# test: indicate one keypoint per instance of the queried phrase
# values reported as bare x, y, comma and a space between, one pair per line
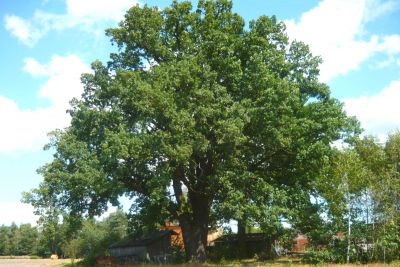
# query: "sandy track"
32, 263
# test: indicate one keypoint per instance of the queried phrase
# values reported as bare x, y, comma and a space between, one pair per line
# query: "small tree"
72, 249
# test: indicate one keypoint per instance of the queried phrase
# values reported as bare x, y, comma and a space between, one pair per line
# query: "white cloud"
378, 114
22, 29
376, 8
26, 129
34, 68
64, 78
390, 44
85, 14
17, 212
335, 30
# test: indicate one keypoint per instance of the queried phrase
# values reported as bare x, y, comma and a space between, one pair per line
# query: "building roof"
143, 241
253, 237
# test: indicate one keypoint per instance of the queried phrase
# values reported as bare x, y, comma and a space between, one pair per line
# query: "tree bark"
193, 222
269, 248
195, 240
195, 228
241, 234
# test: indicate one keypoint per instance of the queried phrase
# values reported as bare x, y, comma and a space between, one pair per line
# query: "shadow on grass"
282, 262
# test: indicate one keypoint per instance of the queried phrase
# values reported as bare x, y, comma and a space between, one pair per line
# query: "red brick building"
300, 243
178, 239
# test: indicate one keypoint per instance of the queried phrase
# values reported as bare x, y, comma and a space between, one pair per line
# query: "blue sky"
46, 44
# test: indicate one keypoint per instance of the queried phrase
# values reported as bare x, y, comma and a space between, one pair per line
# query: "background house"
300, 243
178, 239
155, 247
228, 245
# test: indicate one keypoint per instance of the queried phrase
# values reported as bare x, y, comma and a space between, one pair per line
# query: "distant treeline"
21, 240
92, 239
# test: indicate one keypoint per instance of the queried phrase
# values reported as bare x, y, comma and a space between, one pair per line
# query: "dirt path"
32, 263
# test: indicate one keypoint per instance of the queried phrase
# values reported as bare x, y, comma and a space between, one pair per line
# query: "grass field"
33, 262
310, 265
283, 262
256, 264
287, 264
286, 261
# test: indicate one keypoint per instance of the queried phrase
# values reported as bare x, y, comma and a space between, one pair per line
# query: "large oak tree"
198, 117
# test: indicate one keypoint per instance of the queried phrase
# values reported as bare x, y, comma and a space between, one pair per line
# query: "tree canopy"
198, 118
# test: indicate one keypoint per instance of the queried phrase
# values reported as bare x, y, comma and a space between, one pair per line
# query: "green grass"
249, 263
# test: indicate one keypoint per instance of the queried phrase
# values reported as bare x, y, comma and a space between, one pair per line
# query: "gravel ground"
32, 263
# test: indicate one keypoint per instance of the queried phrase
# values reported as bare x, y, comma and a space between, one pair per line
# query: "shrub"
320, 256
178, 255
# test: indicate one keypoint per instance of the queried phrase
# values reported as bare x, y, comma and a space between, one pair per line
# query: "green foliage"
27, 240
319, 256
72, 249
220, 254
3, 240
361, 186
88, 242
178, 255
18, 240
95, 238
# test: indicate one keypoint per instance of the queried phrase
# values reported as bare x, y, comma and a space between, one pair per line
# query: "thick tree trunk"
193, 221
241, 234
195, 240
269, 249
195, 228
193, 210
